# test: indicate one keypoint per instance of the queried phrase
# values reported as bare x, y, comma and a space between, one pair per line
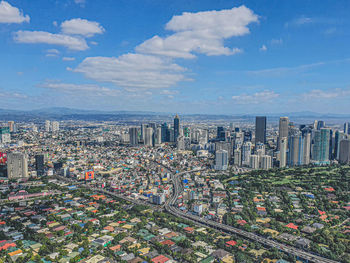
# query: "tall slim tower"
149, 136
260, 129
176, 127
283, 152
133, 134
47, 126
283, 129
320, 150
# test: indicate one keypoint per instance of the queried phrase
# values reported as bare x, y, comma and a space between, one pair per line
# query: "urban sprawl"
97, 191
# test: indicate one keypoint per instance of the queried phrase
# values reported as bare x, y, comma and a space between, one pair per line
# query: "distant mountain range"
61, 113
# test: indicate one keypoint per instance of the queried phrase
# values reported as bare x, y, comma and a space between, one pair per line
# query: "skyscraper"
296, 150
17, 165
176, 127
165, 132
339, 136
283, 152
260, 129
149, 136
220, 133
321, 124
283, 129
221, 160
306, 148
346, 128
133, 135
246, 152
344, 152
39, 164
320, 150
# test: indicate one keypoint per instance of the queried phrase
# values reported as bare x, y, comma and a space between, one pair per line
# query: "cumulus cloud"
202, 32
80, 2
263, 48
256, 98
11, 14
78, 26
132, 70
52, 52
41, 37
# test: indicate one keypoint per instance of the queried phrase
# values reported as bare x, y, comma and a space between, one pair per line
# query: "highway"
170, 207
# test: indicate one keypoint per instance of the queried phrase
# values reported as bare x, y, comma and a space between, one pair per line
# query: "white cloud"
327, 94
11, 14
41, 37
263, 48
169, 92
82, 27
82, 89
68, 58
256, 98
80, 2
133, 70
202, 32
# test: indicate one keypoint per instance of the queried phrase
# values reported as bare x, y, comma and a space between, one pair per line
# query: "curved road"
169, 206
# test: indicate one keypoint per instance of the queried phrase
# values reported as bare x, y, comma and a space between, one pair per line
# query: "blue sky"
184, 56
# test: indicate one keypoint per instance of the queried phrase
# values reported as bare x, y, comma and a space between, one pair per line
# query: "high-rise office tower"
265, 162
39, 164
346, 128
220, 133
296, 150
17, 165
55, 126
339, 136
158, 136
237, 157
260, 129
165, 132
47, 125
283, 152
176, 127
143, 132
133, 136
246, 152
254, 161
221, 160
283, 129
321, 124
320, 149
344, 151
11, 125
306, 148
224, 146
149, 136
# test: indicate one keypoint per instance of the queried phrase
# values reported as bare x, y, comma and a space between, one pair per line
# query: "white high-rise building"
283, 152
148, 136
254, 161
237, 159
265, 162
307, 148
246, 152
55, 126
17, 165
47, 125
221, 160
159, 135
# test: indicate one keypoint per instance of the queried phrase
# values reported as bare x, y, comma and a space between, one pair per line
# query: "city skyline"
167, 57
